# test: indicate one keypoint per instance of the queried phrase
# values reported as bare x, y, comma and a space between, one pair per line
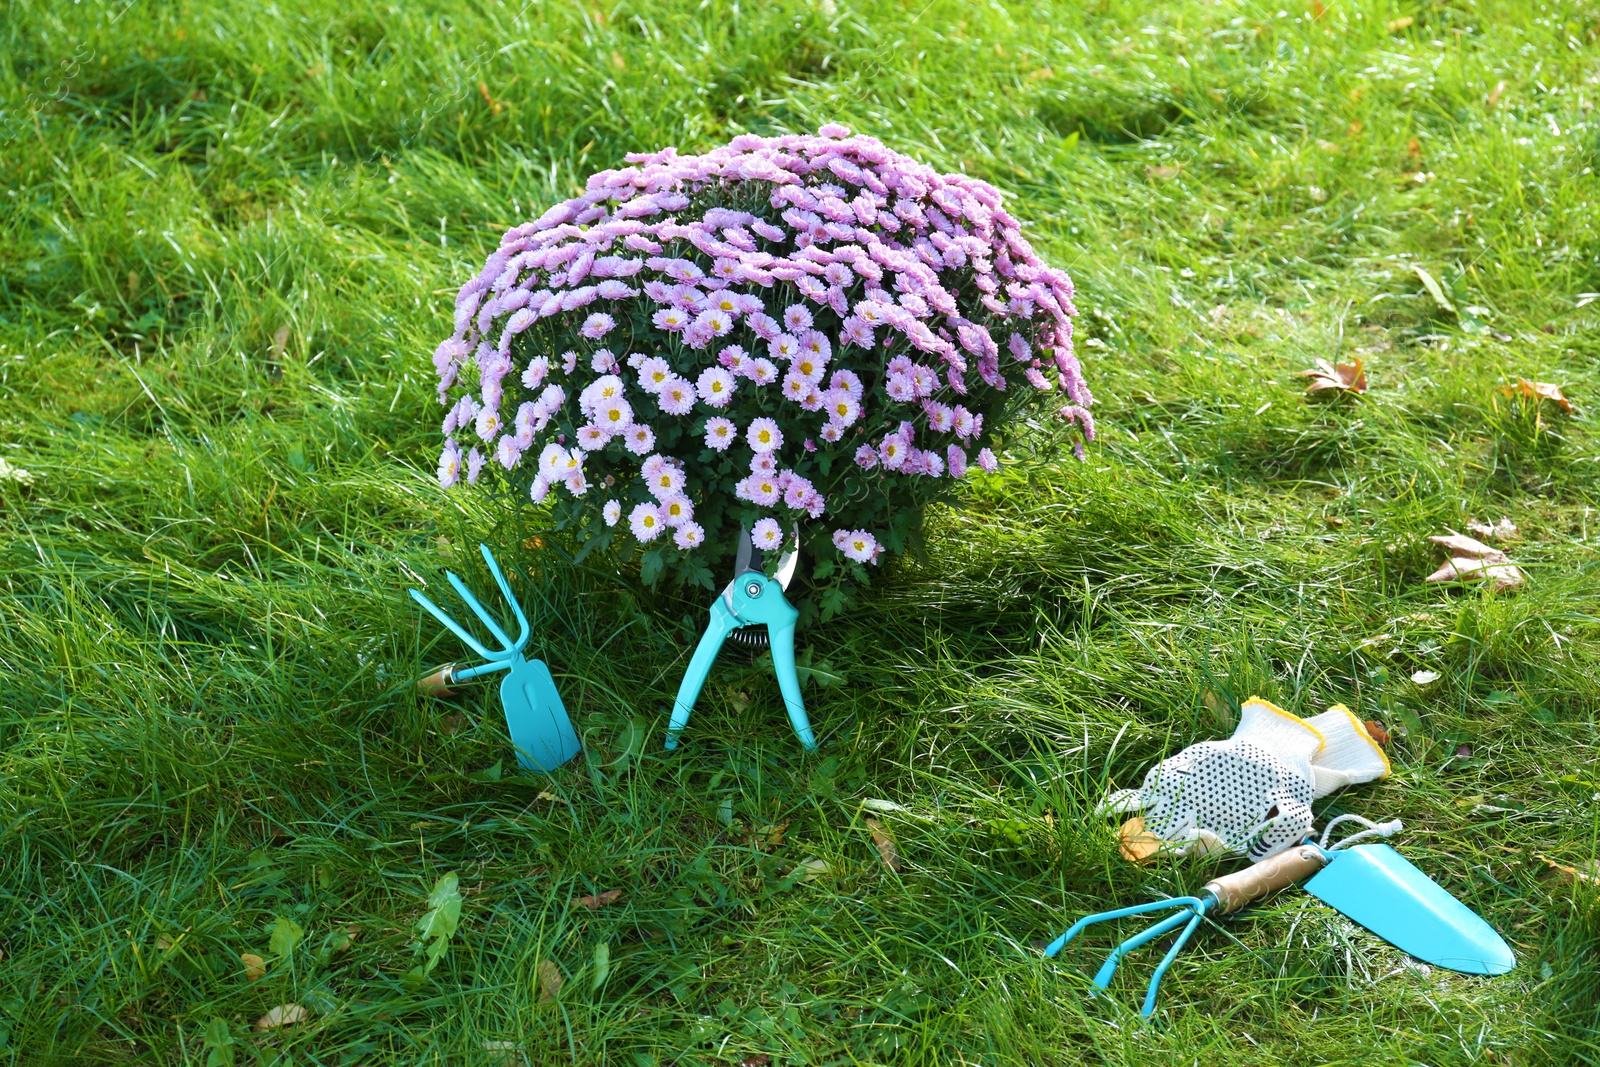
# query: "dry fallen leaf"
1343, 378
772, 837
760, 1059
282, 1015
1504, 530
1538, 390
598, 900
1589, 873
1161, 172
1472, 560
1495, 94
549, 981
885, 843
812, 869
1135, 843
1377, 731
1401, 23
255, 968
280, 341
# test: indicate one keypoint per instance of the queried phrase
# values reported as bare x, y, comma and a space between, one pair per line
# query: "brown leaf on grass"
255, 968
772, 836
282, 1015
1588, 874
495, 107
760, 1059
1335, 379
1378, 732
1161, 172
1495, 94
1472, 560
885, 843
280, 342
549, 981
1396, 25
1504, 530
1539, 391
1136, 843
598, 900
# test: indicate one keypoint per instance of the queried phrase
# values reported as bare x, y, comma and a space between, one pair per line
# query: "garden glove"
1250, 794
1348, 756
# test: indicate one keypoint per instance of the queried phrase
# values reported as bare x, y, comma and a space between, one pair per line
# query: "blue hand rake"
1372, 884
540, 729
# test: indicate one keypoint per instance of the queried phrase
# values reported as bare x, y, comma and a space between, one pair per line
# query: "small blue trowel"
1371, 884
540, 729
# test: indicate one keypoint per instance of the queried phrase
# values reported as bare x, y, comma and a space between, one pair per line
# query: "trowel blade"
1380, 889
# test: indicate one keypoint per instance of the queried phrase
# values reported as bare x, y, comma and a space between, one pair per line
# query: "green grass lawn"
229, 237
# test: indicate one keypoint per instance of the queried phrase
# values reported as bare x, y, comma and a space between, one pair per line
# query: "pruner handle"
694, 679
780, 636
1234, 891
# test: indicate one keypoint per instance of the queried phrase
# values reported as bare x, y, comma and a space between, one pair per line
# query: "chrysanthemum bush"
807, 333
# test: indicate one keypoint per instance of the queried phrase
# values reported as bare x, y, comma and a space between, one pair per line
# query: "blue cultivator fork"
540, 730
750, 600
1372, 884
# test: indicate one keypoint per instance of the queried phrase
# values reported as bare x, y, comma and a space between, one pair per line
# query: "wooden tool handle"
1234, 891
438, 684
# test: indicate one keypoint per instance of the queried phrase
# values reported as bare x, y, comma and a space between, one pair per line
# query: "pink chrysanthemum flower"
987, 461
449, 464
860, 546
715, 386
539, 489
763, 371
639, 439
597, 325
784, 347
766, 534
593, 437
720, 433
611, 512
676, 510
654, 373
797, 386
893, 452
764, 436
533, 377
645, 522
689, 535
676, 396
796, 318
670, 319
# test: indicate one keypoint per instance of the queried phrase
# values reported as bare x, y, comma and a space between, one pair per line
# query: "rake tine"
505, 590
1102, 978
483, 616
450, 624
1120, 913
1166, 961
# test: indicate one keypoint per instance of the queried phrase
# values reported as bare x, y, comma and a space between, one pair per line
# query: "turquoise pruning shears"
540, 729
750, 600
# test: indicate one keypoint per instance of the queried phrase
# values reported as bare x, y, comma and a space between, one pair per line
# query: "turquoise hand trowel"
540, 729
1371, 884
1382, 890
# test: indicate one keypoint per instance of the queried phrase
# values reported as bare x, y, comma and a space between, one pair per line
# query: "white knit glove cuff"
1348, 756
